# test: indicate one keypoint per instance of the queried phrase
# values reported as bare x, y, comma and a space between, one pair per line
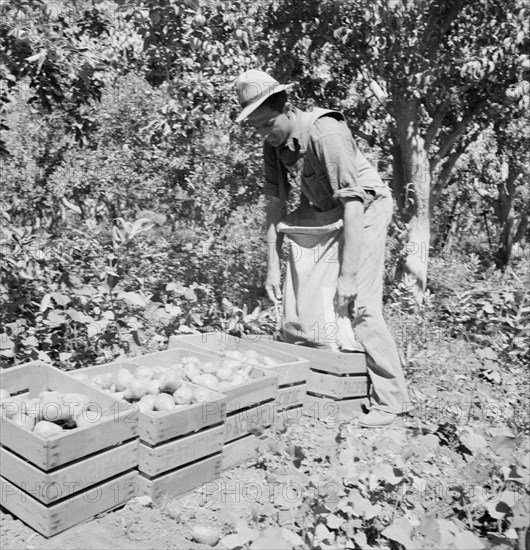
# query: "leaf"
71, 206
322, 533
60, 299
333, 521
7, 346
360, 539
134, 298
503, 439
45, 302
235, 540
466, 540
56, 317
473, 441
79, 316
140, 225
271, 539
430, 528
96, 329
6, 342
521, 516
177, 287
291, 537
487, 353
190, 295
497, 510
400, 531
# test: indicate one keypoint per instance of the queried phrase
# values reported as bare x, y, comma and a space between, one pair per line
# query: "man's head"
264, 102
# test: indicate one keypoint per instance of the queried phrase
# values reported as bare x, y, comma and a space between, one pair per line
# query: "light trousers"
310, 315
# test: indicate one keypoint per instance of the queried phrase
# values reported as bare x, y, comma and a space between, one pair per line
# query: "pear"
183, 395
46, 429
164, 402
122, 379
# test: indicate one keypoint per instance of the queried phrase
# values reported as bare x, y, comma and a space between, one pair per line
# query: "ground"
454, 473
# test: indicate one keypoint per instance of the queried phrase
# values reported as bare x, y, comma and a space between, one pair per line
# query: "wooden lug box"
337, 383
53, 483
181, 449
292, 371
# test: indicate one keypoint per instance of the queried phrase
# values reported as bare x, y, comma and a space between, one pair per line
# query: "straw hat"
253, 88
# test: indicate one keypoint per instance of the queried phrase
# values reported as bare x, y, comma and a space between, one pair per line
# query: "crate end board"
48, 487
242, 422
339, 387
183, 480
53, 519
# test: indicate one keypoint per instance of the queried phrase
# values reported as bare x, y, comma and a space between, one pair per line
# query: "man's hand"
346, 292
273, 283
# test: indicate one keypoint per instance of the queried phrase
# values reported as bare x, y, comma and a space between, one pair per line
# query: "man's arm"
274, 246
351, 256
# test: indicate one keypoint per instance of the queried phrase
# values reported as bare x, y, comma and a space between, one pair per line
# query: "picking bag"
310, 315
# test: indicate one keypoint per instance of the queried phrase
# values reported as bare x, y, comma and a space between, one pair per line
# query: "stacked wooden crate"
257, 405
337, 382
59, 481
178, 450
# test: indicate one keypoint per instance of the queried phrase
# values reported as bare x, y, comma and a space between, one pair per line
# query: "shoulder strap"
282, 184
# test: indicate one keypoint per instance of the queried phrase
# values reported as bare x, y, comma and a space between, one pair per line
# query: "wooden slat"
51, 486
52, 519
241, 422
19, 378
153, 461
291, 369
182, 480
156, 428
338, 363
339, 387
291, 395
262, 387
239, 451
324, 408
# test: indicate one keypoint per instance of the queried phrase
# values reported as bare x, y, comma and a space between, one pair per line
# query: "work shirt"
322, 155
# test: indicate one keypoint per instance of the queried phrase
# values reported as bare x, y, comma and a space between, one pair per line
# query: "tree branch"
440, 19
447, 143
440, 181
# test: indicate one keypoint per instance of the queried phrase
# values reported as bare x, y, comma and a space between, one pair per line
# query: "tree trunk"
412, 188
506, 213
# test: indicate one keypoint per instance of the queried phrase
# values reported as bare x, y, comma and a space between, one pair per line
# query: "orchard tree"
503, 182
442, 70
60, 55
196, 49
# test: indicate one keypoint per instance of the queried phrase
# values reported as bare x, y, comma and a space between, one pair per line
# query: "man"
336, 236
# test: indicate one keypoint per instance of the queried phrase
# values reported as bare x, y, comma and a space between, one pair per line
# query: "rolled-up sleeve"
272, 171
334, 147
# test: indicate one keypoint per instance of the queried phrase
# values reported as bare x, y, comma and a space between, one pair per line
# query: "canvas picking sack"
310, 315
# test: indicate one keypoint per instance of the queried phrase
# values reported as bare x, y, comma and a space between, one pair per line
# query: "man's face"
274, 126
